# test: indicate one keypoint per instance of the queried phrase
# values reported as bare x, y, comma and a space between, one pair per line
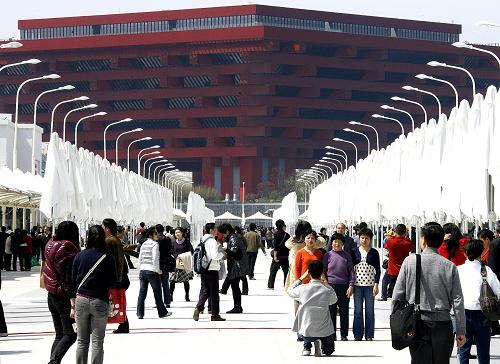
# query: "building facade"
245, 93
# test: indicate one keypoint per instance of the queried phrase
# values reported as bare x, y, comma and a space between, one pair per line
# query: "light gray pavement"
260, 335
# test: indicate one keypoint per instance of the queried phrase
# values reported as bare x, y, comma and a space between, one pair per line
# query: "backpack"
200, 259
490, 304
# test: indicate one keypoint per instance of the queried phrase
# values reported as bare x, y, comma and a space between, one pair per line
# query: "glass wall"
234, 22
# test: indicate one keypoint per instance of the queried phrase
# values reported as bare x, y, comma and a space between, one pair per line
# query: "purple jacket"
339, 268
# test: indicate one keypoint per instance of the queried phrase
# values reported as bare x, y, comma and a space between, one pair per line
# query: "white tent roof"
19, 189
227, 216
259, 216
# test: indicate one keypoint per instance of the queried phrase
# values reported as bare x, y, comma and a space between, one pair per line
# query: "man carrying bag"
440, 291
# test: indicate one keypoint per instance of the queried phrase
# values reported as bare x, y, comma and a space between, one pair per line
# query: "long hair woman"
94, 273
59, 255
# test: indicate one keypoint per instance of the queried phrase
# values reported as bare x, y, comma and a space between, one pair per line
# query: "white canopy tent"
420, 176
259, 216
227, 216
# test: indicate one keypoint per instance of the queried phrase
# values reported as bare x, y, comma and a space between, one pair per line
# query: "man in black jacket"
494, 264
3, 239
165, 245
349, 243
280, 254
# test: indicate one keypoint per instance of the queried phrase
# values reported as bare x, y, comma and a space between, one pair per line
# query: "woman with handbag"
94, 273
477, 326
181, 245
59, 255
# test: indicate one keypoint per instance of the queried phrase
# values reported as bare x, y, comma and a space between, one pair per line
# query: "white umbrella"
259, 216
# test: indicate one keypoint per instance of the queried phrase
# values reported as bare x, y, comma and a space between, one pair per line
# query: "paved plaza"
262, 334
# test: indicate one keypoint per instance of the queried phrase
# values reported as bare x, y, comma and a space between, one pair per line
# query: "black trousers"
7, 261
15, 257
388, 283
275, 267
3, 324
327, 343
437, 344
235, 287
252, 258
209, 290
60, 308
186, 289
227, 283
342, 307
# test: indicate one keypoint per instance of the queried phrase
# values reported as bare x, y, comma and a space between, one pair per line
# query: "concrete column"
14, 218
4, 215
32, 218
24, 219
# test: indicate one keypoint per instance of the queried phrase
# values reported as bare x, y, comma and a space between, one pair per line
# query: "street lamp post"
321, 177
29, 61
52, 76
368, 126
161, 168
387, 107
101, 113
118, 138
328, 167
349, 142
378, 116
331, 162
421, 76
106, 129
411, 88
139, 156
441, 64
128, 149
397, 98
90, 106
323, 172
336, 159
469, 46
149, 160
81, 98
338, 149
187, 183
363, 134
152, 164
63, 88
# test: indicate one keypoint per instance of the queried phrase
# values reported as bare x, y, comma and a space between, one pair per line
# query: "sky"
464, 12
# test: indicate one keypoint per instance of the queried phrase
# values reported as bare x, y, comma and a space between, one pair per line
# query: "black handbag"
405, 318
490, 304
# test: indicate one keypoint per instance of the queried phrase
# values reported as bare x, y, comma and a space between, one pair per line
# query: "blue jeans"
146, 278
478, 331
364, 325
91, 320
166, 288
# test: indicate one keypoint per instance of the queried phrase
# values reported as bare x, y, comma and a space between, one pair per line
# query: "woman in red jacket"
59, 255
453, 245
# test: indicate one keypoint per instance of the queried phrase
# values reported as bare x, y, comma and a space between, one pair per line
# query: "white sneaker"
306, 352
317, 348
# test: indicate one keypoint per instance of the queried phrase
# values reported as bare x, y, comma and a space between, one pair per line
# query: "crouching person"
313, 319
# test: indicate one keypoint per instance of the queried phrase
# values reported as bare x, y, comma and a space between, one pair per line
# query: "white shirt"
471, 281
215, 253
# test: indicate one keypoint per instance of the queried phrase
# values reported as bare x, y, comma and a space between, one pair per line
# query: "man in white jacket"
210, 280
313, 321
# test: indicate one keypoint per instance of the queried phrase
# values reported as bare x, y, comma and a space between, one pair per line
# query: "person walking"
440, 291
237, 263
3, 239
280, 254
366, 262
8, 253
149, 274
494, 264
486, 236
16, 246
477, 326
165, 247
182, 250
94, 273
210, 280
339, 271
453, 244
26, 250
254, 243
398, 247
59, 255
244, 281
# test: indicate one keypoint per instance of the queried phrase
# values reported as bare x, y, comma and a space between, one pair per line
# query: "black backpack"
200, 259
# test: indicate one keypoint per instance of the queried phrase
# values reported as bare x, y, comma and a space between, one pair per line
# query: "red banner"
242, 194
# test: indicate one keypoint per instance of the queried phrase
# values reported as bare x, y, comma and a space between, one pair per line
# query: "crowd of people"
320, 273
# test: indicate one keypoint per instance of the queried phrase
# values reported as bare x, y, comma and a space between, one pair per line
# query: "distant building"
243, 93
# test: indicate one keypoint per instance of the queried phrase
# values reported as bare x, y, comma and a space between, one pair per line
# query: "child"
313, 320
